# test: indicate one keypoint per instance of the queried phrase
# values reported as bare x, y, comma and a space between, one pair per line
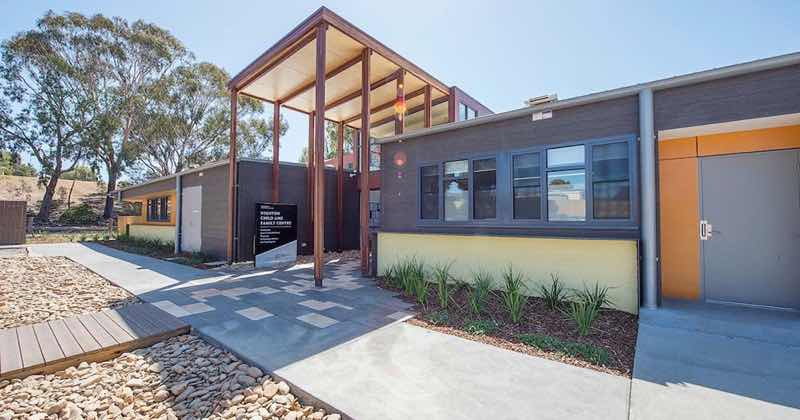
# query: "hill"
27, 189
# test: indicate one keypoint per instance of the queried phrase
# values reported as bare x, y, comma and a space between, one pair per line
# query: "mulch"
614, 330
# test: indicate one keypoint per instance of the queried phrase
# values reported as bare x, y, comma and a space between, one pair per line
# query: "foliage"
588, 352
480, 326
11, 164
514, 299
82, 214
331, 140
481, 287
554, 294
146, 246
46, 107
81, 173
596, 297
584, 314
444, 287
440, 317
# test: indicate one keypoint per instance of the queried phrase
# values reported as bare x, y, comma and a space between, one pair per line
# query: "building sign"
276, 234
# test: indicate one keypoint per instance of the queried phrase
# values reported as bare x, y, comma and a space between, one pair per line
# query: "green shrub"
554, 294
81, 214
420, 289
444, 288
596, 297
584, 314
440, 317
513, 297
410, 272
588, 352
481, 287
480, 326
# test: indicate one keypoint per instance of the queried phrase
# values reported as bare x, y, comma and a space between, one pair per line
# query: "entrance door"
752, 202
191, 218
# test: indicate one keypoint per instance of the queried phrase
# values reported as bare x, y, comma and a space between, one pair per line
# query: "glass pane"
429, 196
374, 157
611, 200
610, 162
566, 156
527, 202
462, 112
456, 169
473, 114
485, 184
566, 195
456, 200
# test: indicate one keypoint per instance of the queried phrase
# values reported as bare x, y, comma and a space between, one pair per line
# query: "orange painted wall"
749, 141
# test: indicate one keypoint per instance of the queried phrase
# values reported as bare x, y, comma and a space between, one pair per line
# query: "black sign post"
276, 234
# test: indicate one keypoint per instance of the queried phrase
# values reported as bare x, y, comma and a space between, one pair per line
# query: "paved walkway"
697, 361
343, 344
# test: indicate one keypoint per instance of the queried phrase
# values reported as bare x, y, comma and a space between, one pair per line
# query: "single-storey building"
687, 187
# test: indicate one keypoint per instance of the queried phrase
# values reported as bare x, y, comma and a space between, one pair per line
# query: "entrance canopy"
286, 74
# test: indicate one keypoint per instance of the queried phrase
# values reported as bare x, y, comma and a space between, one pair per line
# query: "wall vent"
544, 99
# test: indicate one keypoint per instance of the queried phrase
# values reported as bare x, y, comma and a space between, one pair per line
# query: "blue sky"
501, 52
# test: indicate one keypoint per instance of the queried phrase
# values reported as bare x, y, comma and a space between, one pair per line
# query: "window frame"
439, 196
505, 176
161, 202
442, 192
497, 191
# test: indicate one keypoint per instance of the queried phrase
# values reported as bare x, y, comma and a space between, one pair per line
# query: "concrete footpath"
345, 345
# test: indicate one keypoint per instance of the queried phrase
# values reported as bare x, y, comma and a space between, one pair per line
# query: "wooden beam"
232, 180
319, 155
356, 93
276, 152
428, 106
310, 176
451, 105
364, 193
399, 118
308, 86
280, 59
414, 110
340, 186
384, 105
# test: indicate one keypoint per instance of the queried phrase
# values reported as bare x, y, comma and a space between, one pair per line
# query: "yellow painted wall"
164, 233
141, 219
578, 262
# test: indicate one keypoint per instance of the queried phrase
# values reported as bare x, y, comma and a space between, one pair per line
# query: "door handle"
705, 230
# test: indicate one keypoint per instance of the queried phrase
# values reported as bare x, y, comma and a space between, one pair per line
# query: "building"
685, 188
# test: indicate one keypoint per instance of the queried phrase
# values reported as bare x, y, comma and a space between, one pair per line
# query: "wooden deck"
50, 346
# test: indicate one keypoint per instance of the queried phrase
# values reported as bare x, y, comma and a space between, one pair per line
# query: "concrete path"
699, 361
343, 345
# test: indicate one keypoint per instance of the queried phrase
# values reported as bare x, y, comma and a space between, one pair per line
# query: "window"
484, 180
527, 186
429, 192
374, 157
456, 191
158, 209
611, 181
566, 156
465, 112
566, 195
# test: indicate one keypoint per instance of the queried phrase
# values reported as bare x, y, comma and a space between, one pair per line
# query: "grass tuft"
481, 287
444, 288
554, 294
514, 299
588, 352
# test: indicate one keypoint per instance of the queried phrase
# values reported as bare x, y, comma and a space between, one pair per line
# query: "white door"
191, 218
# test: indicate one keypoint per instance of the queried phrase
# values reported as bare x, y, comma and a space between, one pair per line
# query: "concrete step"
720, 352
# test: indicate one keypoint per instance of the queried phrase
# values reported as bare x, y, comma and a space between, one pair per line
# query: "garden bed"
609, 345
36, 289
183, 377
158, 249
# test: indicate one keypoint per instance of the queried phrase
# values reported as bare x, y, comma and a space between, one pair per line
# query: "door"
752, 253
191, 218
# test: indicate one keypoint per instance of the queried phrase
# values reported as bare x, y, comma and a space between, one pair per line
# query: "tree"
81, 173
44, 107
11, 164
331, 140
186, 122
132, 56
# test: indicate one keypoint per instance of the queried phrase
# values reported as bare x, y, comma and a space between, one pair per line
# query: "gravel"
183, 377
36, 289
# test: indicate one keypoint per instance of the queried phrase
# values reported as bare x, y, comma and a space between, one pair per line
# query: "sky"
500, 52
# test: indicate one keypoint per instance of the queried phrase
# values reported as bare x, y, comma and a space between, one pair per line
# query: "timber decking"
50, 346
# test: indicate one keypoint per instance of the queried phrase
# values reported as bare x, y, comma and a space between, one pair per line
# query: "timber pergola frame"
333, 71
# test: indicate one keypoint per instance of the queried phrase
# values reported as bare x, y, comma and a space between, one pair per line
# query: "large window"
484, 180
611, 181
527, 186
465, 112
374, 157
429, 192
591, 183
158, 209
456, 191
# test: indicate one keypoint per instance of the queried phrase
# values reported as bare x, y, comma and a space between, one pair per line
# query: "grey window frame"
497, 190
439, 196
505, 175
162, 204
469, 192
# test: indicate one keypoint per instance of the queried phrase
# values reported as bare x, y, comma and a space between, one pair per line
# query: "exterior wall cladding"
761, 94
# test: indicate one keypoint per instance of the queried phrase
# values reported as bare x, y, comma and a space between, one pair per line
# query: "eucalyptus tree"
186, 122
44, 106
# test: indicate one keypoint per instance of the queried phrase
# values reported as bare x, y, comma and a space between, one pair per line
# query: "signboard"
275, 234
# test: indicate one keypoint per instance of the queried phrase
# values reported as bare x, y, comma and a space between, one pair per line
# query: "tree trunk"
69, 196
108, 212
47, 200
